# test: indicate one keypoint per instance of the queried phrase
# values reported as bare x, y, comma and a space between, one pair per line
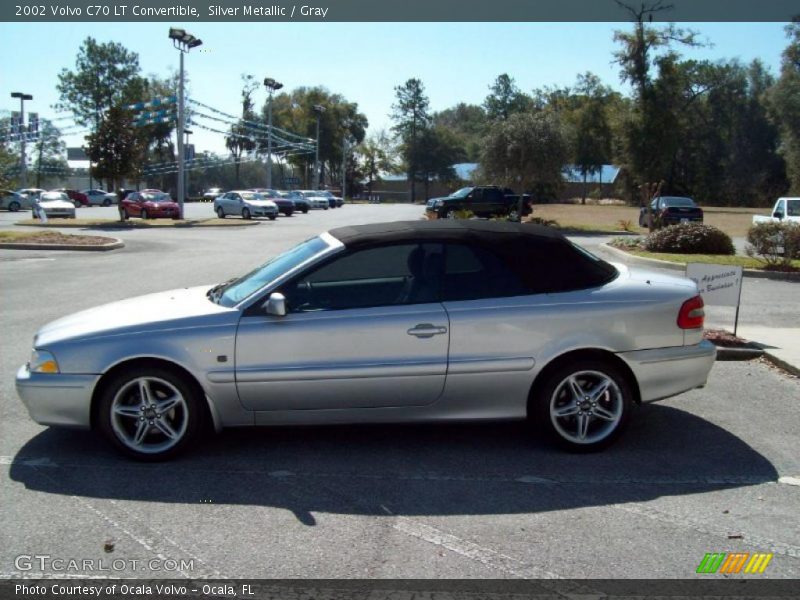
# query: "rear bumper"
665, 372
57, 399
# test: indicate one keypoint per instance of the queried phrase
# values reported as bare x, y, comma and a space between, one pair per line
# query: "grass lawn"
137, 223
717, 259
733, 221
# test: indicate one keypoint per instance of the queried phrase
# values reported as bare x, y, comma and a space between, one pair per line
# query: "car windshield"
678, 202
151, 197
237, 290
462, 193
251, 196
48, 196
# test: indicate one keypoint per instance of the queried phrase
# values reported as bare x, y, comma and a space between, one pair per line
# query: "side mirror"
778, 215
276, 304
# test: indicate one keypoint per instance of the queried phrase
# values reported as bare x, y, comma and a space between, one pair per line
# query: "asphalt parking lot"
708, 471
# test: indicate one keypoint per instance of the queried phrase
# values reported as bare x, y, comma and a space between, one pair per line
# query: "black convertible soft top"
540, 256
488, 233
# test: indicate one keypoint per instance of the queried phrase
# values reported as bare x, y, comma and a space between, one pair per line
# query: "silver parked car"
315, 199
392, 322
54, 205
246, 204
100, 198
14, 201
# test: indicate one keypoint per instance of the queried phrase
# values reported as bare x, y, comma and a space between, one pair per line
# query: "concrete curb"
724, 353
665, 264
117, 243
780, 363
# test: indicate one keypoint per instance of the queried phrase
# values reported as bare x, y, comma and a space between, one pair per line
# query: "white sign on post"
720, 285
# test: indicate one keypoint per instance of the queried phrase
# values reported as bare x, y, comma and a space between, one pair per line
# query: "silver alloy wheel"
586, 407
149, 415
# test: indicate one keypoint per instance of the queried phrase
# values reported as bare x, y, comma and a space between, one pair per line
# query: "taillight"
691, 315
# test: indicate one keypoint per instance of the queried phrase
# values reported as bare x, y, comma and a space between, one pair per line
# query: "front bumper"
57, 398
665, 372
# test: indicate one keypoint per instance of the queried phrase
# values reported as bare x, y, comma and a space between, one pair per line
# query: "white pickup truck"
786, 210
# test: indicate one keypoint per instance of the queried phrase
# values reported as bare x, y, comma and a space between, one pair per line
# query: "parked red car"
149, 204
78, 198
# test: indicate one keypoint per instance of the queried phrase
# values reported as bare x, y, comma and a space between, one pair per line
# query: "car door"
485, 303
364, 330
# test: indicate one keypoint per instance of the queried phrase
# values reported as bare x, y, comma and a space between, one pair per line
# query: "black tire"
14, 206
326, 208
220, 212
273, 217
305, 211
76, 204
144, 214
288, 213
123, 392
246, 214
106, 202
599, 432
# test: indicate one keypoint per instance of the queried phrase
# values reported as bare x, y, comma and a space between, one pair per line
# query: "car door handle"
426, 330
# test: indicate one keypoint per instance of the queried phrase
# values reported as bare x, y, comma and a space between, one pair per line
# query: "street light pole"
187, 133
272, 86
23, 166
344, 167
184, 42
319, 109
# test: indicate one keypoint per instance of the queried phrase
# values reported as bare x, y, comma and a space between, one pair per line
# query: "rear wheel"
144, 213
13, 206
584, 406
246, 213
220, 212
150, 413
106, 202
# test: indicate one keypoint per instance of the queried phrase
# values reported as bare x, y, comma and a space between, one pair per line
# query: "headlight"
43, 361
438, 203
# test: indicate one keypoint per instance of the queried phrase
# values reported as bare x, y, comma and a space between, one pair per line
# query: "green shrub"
775, 243
689, 238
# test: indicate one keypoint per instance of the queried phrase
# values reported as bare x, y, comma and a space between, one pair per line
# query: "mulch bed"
56, 237
725, 339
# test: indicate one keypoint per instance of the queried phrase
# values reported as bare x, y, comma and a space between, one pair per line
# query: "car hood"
142, 313
56, 204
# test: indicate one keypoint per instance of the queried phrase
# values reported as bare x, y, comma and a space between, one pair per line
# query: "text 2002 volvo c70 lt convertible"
392, 322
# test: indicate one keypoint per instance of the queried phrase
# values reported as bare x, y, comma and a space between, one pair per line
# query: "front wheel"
144, 214
220, 212
584, 406
246, 213
106, 202
273, 217
305, 211
149, 413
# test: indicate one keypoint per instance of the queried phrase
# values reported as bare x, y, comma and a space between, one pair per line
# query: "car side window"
472, 272
779, 207
381, 276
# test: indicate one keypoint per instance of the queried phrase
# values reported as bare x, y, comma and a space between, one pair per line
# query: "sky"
457, 62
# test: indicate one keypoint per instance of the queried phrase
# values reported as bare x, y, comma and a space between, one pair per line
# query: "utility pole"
272, 86
183, 42
319, 109
187, 132
23, 166
344, 167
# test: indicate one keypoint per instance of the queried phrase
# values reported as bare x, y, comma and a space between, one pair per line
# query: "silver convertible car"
392, 322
